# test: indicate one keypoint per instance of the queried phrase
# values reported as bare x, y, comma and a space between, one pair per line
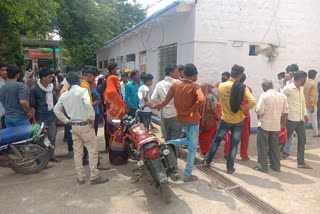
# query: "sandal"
245, 159
191, 178
101, 167
305, 166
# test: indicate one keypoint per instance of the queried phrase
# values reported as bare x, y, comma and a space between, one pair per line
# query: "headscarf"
206, 89
236, 96
114, 103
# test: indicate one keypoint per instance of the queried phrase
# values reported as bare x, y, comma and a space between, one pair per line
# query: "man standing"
310, 94
131, 90
171, 125
123, 83
271, 106
231, 94
188, 97
13, 96
3, 81
76, 101
297, 116
245, 135
42, 103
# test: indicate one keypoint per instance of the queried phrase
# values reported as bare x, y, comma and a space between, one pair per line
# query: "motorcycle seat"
15, 134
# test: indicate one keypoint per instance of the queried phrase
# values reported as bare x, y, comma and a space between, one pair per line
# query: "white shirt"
296, 102
97, 78
77, 104
160, 92
2, 110
144, 89
123, 90
271, 106
64, 81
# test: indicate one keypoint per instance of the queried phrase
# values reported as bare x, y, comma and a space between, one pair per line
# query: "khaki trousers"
85, 136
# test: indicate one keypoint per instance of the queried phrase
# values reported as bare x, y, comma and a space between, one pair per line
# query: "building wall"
169, 28
292, 25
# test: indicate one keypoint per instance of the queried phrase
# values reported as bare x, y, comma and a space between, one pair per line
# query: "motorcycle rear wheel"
165, 192
28, 169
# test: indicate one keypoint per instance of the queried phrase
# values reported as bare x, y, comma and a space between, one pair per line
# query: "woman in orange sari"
208, 122
115, 110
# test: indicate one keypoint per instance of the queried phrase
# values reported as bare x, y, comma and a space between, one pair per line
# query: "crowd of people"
192, 115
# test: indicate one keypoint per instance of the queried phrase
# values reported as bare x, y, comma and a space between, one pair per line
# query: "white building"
264, 36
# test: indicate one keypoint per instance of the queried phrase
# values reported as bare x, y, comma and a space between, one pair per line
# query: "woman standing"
208, 122
115, 110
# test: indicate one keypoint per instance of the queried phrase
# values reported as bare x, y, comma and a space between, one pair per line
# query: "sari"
115, 110
208, 122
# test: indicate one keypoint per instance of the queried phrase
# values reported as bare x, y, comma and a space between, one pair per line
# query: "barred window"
167, 56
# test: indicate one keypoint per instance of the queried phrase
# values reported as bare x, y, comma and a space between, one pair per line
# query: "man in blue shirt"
131, 89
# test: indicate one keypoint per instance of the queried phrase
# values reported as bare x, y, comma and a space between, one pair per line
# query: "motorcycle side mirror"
140, 95
116, 121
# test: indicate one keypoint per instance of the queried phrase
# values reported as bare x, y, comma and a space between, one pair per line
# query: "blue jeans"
13, 122
236, 130
287, 146
192, 141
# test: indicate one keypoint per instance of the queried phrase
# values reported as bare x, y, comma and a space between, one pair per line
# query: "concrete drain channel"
221, 182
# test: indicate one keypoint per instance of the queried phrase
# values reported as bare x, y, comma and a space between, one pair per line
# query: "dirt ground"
56, 190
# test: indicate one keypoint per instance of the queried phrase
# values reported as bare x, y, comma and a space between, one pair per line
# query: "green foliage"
23, 18
85, 25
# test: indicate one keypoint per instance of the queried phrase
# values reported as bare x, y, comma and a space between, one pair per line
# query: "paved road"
56, 191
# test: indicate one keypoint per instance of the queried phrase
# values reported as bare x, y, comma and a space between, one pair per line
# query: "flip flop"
191, 178
305, 166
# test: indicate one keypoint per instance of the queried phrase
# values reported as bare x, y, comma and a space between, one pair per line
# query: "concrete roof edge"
156, 14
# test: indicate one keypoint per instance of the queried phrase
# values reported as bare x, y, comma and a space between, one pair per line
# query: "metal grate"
243, 195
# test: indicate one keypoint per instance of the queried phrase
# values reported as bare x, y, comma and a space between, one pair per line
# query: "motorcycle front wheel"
35, 166
165, 191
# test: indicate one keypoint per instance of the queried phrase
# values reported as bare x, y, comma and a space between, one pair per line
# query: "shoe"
284, 156
260, 170
305, 166
245, 159
231, 171
205, 163
81, 182
99, 180
316, 135
49, 165
54, 159
277, 170
225, 157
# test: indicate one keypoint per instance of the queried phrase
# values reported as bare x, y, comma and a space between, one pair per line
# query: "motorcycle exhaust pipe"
174, 176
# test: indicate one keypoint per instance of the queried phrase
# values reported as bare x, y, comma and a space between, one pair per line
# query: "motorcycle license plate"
46, 142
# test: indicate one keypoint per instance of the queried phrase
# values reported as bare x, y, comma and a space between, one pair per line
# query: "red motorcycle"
156, 160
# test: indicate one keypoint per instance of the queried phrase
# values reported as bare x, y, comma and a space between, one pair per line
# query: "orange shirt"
188, 97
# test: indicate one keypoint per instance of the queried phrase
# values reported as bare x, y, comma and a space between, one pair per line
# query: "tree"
85, 25
23, 18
